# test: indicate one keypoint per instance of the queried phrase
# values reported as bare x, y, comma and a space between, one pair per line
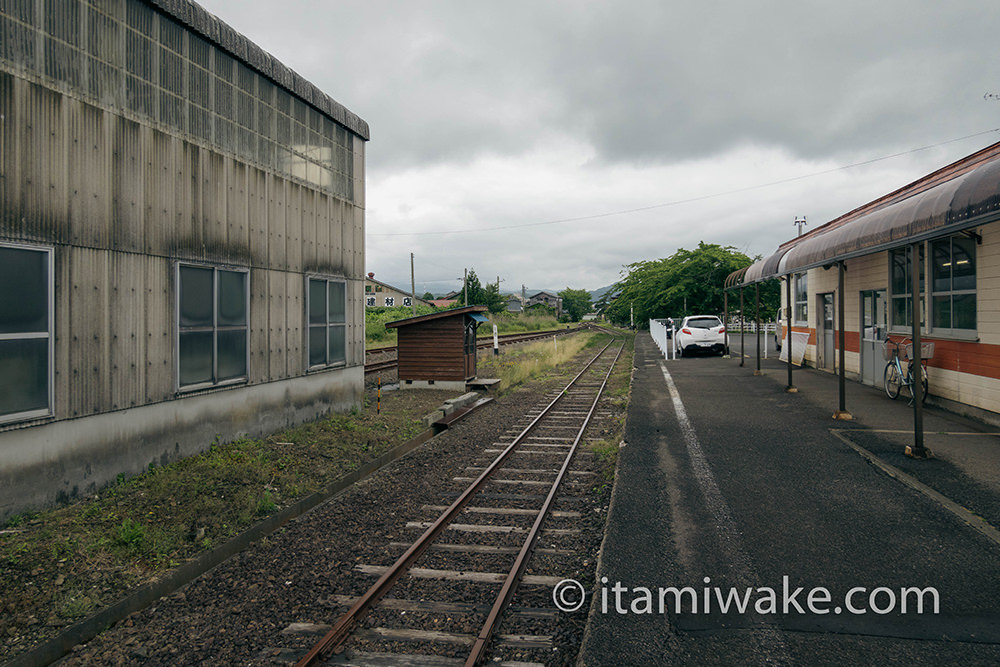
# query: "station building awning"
957, 198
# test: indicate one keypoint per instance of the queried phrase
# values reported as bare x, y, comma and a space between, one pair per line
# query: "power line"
678, 202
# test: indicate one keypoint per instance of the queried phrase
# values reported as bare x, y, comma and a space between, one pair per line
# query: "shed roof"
466, 310
958, 197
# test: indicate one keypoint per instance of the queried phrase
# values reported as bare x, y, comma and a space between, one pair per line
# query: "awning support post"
842, 413
917, 450
788, 330
743, 355
757, 325
725, 321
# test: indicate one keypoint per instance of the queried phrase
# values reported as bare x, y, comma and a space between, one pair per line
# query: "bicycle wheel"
923, 378
891, 380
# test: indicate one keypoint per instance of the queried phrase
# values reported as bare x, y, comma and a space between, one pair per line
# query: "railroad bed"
270, 604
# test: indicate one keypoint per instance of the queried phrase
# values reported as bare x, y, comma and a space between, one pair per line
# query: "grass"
520, 364
61, 564
376, 335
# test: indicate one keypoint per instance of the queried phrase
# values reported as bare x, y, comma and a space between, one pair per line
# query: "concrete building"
949, 219
181, 243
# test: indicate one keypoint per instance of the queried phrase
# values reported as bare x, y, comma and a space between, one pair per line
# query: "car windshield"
704, 322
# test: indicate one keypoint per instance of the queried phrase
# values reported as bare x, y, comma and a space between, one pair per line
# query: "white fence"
663, 333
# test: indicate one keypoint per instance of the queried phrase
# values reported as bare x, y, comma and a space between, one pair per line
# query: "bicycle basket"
889, 350
926, 351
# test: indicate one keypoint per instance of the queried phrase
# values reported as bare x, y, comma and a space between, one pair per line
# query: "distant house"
514, 304
379, 294
546, 299
442, 303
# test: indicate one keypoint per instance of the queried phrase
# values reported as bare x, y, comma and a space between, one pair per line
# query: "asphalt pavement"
749, 527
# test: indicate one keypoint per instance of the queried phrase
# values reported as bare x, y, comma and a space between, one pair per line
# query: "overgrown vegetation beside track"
59, 566
376, 335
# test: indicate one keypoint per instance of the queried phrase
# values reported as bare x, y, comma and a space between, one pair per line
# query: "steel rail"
517, 570
343, 627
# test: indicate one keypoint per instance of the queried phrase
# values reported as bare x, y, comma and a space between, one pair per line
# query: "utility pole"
413, 288
800, 222
465, 287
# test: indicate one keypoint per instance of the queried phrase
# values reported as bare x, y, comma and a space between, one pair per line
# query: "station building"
949, 219
181, 243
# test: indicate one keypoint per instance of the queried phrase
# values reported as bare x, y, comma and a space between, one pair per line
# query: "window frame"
932, 293
215, 328
800, 306
327, 325
927, 292
49, 335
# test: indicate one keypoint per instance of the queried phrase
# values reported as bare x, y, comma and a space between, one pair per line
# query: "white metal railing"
750, 326
662, 333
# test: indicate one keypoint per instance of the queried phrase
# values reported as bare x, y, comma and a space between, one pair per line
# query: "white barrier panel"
662, 336
799, 342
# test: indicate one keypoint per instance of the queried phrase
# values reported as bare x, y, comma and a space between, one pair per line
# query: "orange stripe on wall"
960, 356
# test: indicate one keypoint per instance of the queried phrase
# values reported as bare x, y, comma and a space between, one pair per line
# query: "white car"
701, 333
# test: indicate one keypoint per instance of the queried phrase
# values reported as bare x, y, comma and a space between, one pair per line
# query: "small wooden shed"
438, 350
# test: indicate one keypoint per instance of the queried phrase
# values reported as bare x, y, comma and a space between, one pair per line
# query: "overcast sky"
552, 143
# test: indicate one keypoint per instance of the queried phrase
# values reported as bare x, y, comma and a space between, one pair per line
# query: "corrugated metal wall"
121, 202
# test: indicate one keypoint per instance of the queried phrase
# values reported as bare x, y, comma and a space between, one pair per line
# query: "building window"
26, 319
900, 285
327, 310
801, 296
213, 330
953, 284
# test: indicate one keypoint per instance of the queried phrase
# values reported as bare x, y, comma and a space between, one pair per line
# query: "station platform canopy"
957, 198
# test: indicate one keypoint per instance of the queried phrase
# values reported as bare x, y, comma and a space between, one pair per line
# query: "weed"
76, 605
266, 504
130, 534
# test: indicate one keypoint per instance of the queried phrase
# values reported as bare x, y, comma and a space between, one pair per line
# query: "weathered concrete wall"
67, 459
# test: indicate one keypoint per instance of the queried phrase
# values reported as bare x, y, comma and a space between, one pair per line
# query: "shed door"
470, 348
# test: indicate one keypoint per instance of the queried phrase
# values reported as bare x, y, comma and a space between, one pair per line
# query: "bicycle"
893, 378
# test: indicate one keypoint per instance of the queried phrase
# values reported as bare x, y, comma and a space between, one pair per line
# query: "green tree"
575, 303
488, 296
689, 282
427, 296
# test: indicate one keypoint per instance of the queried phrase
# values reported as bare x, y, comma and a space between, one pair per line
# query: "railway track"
444, 599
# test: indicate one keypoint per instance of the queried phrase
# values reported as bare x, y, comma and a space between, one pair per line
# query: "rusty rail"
343, 627
517, 570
